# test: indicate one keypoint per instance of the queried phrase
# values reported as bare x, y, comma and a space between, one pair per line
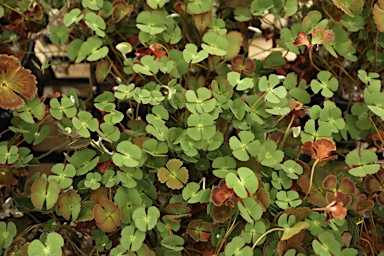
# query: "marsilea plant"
194, 146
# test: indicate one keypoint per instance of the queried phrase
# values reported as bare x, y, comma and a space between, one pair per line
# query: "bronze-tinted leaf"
380, 199
202, 20
262, 198
6, 177
374, 183
120, 9
69, 204
99, 194
347, 186
199, 230
107, 215
362, 204
317, 198
15, 79
339, 197
102, 69
330, 183
221, 213
301, 213
243, 65
174, 176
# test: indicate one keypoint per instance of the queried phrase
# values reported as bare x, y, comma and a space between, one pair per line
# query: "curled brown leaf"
321, 149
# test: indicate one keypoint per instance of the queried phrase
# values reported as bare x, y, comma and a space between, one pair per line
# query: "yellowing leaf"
378, 15
174, 176
15, 79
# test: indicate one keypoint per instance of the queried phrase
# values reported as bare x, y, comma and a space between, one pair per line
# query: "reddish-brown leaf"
337, 210
301, 39
320, 149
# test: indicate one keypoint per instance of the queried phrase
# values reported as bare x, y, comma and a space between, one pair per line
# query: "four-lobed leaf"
174, 176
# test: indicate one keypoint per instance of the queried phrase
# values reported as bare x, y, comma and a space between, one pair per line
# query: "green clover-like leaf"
327, 84
148, 66
67, 107
373, 98
200, 101
8, 156
128, 176
287, 199
252, 232
292, 169
236, 247
105, 101
33, 108
215, 44
191, 55
52, 246
92, 4
84, 123
127, 154
192, 192
173, 243
96, 23
151, 22
273, 93
124, 92
250, 210
258, 7
269, 155
245, 182
246, 144
64, 175
199, 6
240, 84
201, 126
223, 165
73, 16
92, 180
364, 160
128, 200
84, 161
146, 221
326, 245
7, 232
58, 34
281, 180
132, 237
41, 194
